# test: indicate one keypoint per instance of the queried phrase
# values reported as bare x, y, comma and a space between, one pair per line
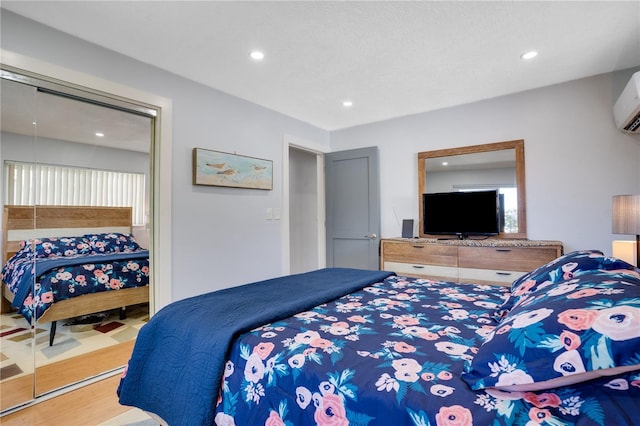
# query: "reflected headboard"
22, 223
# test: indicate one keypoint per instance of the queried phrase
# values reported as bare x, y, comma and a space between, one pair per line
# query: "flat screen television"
461, 213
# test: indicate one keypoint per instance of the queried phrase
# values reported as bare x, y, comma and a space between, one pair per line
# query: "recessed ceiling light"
444, 163
99, 134
257, 55
347, 104
529, 55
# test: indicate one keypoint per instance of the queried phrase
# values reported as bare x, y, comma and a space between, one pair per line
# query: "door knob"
371, 236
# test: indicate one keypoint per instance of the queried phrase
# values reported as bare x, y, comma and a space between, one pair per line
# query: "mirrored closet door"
17, 383
87, 180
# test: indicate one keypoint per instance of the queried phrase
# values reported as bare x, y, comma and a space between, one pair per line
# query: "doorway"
310, 227
303, 206
303, 211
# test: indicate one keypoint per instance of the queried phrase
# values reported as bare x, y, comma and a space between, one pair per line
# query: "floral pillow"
112, 242
55, 247
564, 268
26, 250
583, 328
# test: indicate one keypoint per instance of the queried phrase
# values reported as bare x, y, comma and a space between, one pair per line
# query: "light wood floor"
75, 368
99, 403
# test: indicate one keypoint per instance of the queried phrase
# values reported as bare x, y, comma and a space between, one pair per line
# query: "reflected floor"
16, 344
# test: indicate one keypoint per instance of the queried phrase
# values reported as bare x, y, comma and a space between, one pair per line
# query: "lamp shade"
625, 214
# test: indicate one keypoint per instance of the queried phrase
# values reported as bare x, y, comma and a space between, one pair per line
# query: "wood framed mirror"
497, 165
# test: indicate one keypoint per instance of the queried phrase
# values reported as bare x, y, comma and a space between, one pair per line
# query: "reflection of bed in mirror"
124, 267
65, 113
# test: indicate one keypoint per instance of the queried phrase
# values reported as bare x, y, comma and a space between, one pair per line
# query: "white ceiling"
390, 58
26, 112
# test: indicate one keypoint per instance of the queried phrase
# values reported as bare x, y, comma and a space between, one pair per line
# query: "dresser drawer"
420, 253
473, 275
497, 262
447, 273
522, 259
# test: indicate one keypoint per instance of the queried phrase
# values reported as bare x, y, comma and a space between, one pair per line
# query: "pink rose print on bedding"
330, 411
543, 400
46, 297
538, 415
570, 340
274, 420
524, 287
223, 419
455, 415
577, 319
357, 318
618, 323
263, 350
403, 347
406, 320
585, 292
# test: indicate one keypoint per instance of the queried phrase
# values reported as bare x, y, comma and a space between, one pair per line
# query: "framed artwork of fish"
215, 168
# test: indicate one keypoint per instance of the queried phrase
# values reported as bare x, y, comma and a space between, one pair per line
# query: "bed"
77, 256
341, 346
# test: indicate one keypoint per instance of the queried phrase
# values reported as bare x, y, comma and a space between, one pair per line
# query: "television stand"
479, 261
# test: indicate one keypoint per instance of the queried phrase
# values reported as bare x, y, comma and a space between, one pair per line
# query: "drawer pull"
417, 267
503, 273
418, 247
503, 250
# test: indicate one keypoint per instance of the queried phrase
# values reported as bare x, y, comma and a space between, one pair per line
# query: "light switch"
269, 213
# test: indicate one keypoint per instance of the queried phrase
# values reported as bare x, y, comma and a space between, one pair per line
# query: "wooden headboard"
28, 222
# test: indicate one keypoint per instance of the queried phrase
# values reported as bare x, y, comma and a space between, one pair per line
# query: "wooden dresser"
488, 261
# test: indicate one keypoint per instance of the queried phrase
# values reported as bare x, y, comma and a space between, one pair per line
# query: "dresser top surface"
484, 242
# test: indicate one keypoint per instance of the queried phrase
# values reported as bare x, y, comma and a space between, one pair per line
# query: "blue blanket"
177, 364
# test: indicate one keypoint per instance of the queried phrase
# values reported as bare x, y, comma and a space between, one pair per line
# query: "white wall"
220, 235
575, 157
52, 151
444, 181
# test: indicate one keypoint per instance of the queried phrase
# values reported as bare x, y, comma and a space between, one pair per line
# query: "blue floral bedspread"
393, 354
178, 361
63, 277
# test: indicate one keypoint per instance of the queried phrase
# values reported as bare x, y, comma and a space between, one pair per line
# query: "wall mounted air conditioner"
626, 111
